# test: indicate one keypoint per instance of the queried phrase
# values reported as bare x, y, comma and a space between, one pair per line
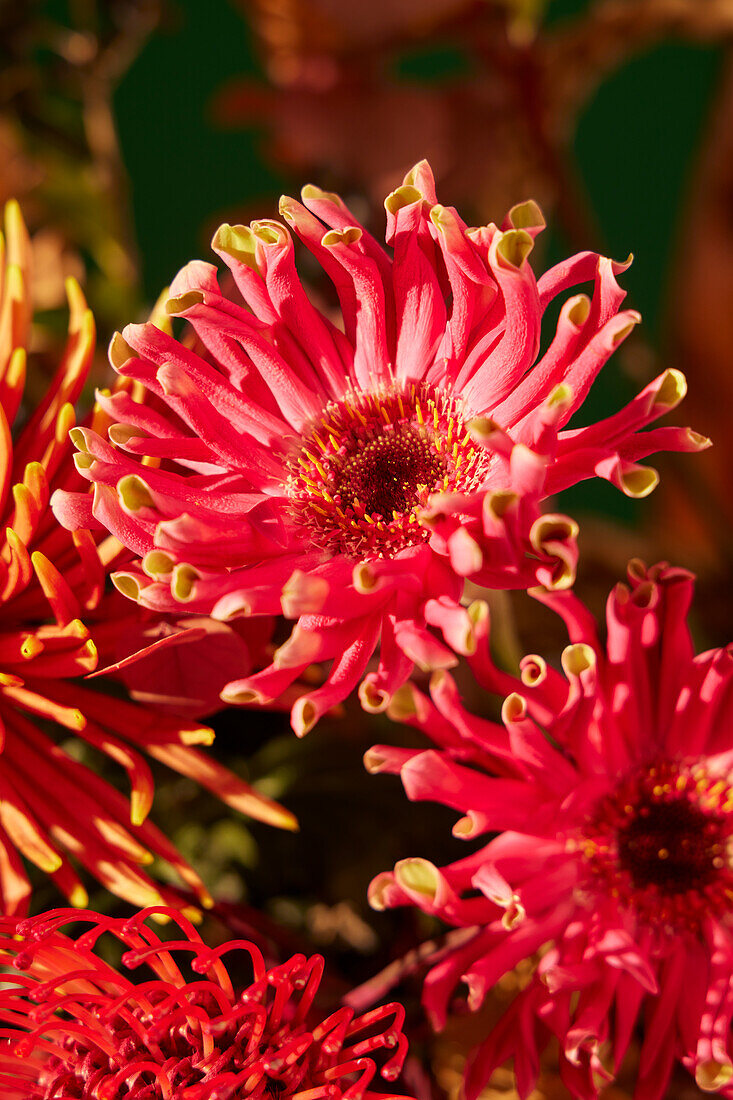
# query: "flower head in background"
352, 475
82, 1028
53, 808
610, 788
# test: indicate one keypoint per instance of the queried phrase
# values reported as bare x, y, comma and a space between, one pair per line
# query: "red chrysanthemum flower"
612, 789
80, 1029
51, 805
351, 475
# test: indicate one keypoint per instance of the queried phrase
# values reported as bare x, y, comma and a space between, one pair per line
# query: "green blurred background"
634, 147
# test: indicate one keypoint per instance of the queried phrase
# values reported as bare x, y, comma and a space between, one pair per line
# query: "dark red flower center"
387, 473
359, 479
672, 845
662, 843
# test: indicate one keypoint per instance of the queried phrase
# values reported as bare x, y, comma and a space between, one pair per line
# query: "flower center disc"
360, 478
389, 472
662, 843
672, 845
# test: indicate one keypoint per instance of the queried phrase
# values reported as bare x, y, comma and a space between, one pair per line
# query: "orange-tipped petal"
226, 786
64, 603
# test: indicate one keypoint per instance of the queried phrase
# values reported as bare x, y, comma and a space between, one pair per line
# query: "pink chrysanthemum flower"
79, 1028
55, 811
352, 474
610, 787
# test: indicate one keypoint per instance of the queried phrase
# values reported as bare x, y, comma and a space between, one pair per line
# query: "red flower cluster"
80, 1029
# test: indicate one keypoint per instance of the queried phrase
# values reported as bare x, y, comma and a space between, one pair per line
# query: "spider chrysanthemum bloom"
612, 791
191, 1030
353, 474
52, 806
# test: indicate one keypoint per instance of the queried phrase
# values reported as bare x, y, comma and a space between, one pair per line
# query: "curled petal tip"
711, 1076
373, 761
286, 207
269, 232
514, 708
236, 241
513, 248
373, 699
418, 876
377, 890
403, 196
672, 388
526, 215
499, 503
638, 481
699, 442
120, 351
133, 493
157, 564
239, 693
483, 429
312, 191
304, 716
183, 582
334, 237
577, 659
553, 527
184, 301
127, 585
78, 437
533, 670
622, 330
402, 705
465, 828
577, 310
